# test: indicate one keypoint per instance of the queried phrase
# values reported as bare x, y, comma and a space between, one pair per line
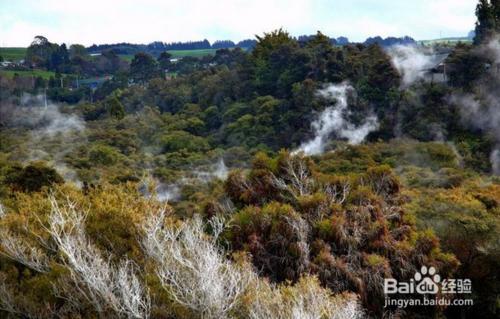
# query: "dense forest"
284, 181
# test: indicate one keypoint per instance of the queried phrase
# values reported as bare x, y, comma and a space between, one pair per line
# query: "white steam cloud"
334, 120
151, 187
495, 161
482, 109
55, 123
411, 62
492, 49
45, 121
218, 170
482, 114
53, 134
165, 192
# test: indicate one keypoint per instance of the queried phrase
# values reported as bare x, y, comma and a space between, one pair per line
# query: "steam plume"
334, 120
411, 62
218, 170
481, 110
53, 134
495, 161
165, 192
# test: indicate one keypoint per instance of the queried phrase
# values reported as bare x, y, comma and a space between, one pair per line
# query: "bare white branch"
297, 179
17, 249
305, 300
192, 268
2, 211
7, 302
301, 228
95, 277
337, 193
12, 302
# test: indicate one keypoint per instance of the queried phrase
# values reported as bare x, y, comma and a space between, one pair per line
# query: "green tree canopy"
488, 20
143, 67
164, 60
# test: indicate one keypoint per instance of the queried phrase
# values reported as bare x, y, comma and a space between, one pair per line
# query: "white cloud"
104, 21
451, 15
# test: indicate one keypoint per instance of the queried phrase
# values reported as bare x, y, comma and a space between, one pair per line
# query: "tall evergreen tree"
143, 67
486, 19
164, 60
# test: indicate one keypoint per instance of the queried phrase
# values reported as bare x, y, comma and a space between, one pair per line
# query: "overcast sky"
144, 21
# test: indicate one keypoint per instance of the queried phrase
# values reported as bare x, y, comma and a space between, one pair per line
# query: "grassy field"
16, 54
13, 54
178, 54
193, 53
35, 73
127, 57
450, 41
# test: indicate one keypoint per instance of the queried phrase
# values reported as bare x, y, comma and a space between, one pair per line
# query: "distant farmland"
179, 54
36, 73
450, 41
192, 53
16, 54
13, 54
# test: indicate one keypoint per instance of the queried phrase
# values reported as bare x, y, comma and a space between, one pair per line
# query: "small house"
436, 70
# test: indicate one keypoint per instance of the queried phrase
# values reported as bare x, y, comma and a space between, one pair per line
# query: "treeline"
157, 47
104, 59
389, 41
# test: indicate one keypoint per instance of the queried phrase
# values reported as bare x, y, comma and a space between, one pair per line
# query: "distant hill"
448, 40
13, 54
204, 47
155, 48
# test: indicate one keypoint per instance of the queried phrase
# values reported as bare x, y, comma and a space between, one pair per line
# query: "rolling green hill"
13, 54
450, 41
179, 54
193, 53
44, 74
16, 54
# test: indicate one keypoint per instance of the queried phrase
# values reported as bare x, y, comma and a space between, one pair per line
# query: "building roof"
436, 61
